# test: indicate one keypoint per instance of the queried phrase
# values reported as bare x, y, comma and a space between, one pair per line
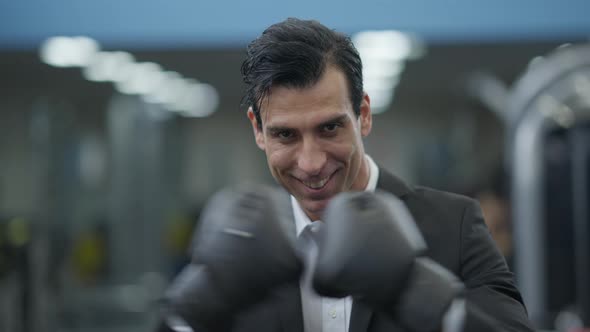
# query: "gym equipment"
549, 155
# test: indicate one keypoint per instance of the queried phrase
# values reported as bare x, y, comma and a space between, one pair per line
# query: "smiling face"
313, 140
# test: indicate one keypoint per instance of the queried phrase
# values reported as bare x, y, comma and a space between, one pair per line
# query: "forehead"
326, 98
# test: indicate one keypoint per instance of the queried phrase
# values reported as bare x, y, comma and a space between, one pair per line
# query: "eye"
284, 134
330, 127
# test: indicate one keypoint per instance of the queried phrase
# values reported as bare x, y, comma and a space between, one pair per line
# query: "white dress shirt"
324, 314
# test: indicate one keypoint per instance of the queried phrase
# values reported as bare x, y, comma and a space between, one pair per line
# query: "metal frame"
538, 104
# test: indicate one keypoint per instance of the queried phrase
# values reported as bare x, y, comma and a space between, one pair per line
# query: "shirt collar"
301, 219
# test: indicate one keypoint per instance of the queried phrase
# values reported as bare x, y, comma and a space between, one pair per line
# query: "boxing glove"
240, 254
370, 248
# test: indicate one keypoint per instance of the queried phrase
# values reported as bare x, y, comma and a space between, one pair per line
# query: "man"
309, 114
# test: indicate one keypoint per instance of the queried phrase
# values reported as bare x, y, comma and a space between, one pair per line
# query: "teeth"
317, 184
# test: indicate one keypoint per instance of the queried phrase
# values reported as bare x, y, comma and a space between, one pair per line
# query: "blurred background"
118, 119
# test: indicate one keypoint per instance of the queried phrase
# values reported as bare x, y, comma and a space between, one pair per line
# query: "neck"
362, 179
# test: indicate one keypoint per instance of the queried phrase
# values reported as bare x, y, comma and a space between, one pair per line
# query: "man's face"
313, 140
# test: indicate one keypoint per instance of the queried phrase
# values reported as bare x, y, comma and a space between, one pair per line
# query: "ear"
366, 118
258, 133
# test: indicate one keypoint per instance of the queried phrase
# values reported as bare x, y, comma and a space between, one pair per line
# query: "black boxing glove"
364, 250
370, 248
240, 254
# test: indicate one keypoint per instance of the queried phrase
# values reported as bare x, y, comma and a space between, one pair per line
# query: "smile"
317, 184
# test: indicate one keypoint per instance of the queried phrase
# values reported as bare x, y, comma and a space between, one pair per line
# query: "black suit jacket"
457, 239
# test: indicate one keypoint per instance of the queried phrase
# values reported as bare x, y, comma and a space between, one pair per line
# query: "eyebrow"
339, 118
276, 129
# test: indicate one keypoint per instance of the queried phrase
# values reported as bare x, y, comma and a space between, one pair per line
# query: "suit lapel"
360, 317
391, 183
289, 308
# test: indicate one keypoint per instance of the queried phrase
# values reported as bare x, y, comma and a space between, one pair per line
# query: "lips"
314, 195
318, 189
317, 184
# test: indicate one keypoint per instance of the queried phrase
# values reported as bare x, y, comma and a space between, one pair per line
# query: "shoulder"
444, 218
424, 202
389, 182
427, 200
443, 200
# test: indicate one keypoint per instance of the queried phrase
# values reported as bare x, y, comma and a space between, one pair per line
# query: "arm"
490, 288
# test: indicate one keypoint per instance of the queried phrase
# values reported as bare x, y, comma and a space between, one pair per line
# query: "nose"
311, 158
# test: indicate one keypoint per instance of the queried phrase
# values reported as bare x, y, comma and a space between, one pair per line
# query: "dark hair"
295, 53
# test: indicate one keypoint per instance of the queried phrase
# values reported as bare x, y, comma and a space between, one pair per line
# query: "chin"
316, 208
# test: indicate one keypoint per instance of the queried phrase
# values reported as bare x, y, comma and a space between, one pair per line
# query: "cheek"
279, 158
343, 151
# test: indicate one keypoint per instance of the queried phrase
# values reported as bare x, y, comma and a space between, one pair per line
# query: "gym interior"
118, 120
